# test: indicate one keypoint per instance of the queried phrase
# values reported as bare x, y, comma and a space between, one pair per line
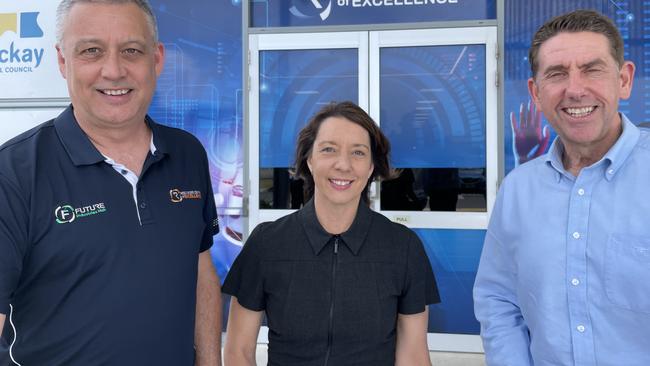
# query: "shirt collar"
158, 143
554, 158
78, 146
353, 238
615, 156
75, 141
110, 161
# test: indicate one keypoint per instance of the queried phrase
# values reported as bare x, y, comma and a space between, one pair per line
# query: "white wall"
14, 121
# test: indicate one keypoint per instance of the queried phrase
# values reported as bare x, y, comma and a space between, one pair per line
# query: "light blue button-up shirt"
564, 277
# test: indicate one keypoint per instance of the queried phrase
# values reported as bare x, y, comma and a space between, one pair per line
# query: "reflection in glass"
435, 189
294, 85
433, 112
280, 190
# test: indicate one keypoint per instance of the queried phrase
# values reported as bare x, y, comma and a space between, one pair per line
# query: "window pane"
433, 112
294, 85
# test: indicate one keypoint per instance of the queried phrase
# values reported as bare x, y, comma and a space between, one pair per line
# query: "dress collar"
353, 238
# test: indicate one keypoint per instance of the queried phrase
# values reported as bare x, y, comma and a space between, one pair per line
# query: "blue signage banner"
283, 13
200, 91
454, 256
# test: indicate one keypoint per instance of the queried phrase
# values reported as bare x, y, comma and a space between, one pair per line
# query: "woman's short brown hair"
379, 144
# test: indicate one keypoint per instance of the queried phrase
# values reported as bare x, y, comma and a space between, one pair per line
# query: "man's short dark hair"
65, 6
379, 144
573, 22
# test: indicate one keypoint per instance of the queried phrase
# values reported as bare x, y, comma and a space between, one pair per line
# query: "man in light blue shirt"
564, 277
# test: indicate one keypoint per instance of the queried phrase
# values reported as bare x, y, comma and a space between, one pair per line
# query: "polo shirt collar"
78, 146
318, 238
75, 141
615, 156
159, 146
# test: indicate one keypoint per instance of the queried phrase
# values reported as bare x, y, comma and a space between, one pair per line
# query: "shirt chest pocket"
627, 272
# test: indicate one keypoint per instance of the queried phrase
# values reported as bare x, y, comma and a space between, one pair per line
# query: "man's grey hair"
63, 10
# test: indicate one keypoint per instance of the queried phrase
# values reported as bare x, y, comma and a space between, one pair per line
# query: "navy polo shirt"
87, 276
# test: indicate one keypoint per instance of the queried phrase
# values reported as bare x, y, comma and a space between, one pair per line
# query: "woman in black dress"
339, 283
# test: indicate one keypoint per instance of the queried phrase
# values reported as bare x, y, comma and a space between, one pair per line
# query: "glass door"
434, 94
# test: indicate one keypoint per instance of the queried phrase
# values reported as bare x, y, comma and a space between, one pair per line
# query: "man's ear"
627, 79
533, 90
159, 58
60, 60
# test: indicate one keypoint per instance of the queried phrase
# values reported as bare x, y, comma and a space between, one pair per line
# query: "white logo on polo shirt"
66, 213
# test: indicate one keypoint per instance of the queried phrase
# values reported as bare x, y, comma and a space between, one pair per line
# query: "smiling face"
111, 62
340, 163
578, 87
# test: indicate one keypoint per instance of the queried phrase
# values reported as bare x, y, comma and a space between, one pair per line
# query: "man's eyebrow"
590, 64
85, 41
554, 68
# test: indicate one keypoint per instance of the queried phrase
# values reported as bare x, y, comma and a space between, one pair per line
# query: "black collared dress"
332, 299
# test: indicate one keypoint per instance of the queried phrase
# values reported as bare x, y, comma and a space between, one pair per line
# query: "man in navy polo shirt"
106, 217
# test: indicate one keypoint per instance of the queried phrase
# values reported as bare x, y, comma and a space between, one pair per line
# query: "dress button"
575, 282
581, 328
143, 205
581, 192
576, 235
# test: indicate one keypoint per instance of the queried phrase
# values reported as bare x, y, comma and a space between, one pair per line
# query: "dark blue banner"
200, 91
454, 257
290, 13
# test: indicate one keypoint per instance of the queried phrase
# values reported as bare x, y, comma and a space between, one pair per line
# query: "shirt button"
124, 171
581, 192
581, 328
576, 235
575, 282
610, 172
143, 205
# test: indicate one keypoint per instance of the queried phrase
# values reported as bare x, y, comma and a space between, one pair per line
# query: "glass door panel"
433, 93
292, 77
